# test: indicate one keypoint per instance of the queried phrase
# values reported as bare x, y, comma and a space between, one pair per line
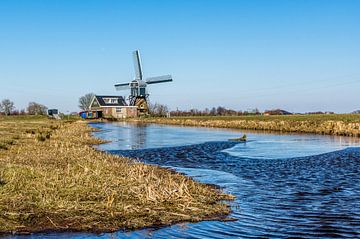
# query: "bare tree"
36, 109
158, 109
214, 111
85, 101
7, 106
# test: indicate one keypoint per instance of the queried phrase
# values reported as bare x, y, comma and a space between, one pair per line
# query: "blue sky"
300, 55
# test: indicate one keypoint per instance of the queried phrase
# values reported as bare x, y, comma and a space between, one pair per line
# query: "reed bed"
347, 124
52, 179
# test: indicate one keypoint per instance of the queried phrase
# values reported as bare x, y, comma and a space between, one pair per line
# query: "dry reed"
347, 125
51, 178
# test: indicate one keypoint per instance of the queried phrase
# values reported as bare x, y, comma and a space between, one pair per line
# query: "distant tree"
194, 112
15, 112
163, 110
152, 108
7, 106
36, 109
257, 111
85, 101
22, 112
213, 111
206, 111
220, 110
158, 110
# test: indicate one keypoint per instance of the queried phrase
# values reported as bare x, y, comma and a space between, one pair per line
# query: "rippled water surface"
287, 186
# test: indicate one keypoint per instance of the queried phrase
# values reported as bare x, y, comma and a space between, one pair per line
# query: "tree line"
214, 111
159, 110
7, 107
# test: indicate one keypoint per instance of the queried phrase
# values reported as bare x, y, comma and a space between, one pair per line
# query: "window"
111, 100
118, 110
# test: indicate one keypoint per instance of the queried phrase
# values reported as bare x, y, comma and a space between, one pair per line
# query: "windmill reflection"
138, 136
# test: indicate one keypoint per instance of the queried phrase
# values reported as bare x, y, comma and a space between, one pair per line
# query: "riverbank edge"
55, 227
322, 127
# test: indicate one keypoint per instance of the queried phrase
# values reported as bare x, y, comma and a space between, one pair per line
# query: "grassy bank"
52, 179
345, 124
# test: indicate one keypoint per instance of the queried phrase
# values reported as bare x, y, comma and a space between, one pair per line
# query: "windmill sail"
122, 86
138, 86
158, 79
137, 65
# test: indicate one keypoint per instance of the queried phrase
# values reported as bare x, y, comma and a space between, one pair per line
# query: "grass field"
51, 178
335, 124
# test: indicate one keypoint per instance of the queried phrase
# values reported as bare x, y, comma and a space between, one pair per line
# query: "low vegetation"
51, 178
332, 124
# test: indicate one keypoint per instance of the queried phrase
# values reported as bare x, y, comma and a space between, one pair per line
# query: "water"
287, 186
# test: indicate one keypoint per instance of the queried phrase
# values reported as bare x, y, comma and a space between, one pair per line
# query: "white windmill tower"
138, 94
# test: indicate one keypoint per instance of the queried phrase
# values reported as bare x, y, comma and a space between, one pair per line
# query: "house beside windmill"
105, 106
109, 107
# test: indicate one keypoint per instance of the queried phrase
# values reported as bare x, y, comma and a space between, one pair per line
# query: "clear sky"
299, 55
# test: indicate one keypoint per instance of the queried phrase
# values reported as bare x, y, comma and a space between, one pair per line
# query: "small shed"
52, 112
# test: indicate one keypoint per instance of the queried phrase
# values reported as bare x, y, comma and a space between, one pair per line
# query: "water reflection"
137, 136
125, 136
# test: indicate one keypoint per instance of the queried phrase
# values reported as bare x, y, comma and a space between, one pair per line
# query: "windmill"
138, 94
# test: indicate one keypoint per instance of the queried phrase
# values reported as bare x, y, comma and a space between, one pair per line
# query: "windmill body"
138, 94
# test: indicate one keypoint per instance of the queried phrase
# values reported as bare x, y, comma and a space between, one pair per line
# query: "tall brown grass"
60, 182
347, 125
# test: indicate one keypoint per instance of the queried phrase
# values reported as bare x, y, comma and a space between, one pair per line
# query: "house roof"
101, 100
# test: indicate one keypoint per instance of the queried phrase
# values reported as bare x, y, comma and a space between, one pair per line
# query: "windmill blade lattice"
138, 86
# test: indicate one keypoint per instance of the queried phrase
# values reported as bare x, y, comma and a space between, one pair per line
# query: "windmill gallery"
136, 103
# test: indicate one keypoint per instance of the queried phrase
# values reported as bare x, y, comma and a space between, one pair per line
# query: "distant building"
52, 112
112, 106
